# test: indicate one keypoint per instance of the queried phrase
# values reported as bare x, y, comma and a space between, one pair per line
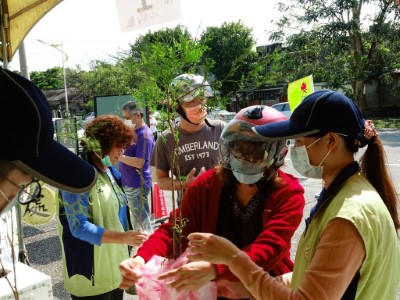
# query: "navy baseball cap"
322, 111
27, 137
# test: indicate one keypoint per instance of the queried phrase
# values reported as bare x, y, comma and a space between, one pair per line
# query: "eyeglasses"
28, 193
131, 114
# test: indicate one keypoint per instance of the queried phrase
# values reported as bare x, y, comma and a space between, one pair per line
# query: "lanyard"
117, 190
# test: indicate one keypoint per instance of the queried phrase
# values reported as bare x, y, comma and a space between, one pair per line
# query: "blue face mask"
106, 161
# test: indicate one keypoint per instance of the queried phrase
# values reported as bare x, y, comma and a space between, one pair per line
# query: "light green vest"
359, 203
107, 256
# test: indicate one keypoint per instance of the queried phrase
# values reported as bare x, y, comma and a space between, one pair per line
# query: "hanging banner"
135, 14
159, 205
298, 90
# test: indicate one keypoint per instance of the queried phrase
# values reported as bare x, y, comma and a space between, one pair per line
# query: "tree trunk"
358, 89
358, 52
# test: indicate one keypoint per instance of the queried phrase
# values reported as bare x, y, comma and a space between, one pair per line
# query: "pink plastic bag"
149, 288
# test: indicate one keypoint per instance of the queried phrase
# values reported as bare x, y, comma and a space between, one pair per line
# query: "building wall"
380, 100
383, 100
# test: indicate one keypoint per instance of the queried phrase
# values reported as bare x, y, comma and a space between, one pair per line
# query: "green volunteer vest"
107, 256
359, 203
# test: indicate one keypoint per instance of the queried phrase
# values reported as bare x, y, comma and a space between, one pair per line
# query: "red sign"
159, 204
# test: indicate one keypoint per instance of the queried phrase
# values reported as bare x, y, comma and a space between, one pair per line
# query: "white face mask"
129, 123
246, 172
301, 161
247, 179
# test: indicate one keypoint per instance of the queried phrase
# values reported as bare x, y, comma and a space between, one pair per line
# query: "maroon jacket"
271, 250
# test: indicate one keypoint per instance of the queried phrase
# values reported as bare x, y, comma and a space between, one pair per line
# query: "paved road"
44, 248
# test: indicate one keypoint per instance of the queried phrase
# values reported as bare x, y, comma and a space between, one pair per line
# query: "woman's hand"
135, 238
131, 237
212, 248
190, 276
130, 273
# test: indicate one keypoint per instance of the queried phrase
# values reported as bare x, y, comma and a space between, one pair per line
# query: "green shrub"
387, 123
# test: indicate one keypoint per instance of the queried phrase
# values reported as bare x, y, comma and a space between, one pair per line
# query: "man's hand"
191, 176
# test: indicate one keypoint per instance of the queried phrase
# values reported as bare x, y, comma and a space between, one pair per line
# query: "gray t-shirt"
195, 150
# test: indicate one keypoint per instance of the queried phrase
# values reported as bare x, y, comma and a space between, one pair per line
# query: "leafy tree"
160, 57
339, 41
174, 59
104, 78
230, 49
49, 79
176, 40
167, 36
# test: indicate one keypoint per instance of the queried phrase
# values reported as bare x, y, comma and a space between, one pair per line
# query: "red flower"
303, 87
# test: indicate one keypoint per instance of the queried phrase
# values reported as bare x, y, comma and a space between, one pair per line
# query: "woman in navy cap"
31, 154
349, 249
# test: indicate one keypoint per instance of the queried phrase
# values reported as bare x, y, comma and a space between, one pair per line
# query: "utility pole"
23, 66
65, 81
3, 27
64, 58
